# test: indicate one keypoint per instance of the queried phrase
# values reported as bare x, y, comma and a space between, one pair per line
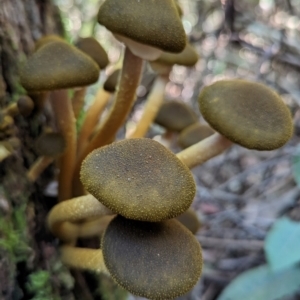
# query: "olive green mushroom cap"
155, 23
175, 115
153, 260
194, 134
50, 144
190, 220
58, 65
92, 47
188, 57
247, 113
111, 82
139, 179
25, 105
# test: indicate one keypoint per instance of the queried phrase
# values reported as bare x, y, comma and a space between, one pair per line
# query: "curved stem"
78, 101
152, 106
62, 216
204, 150
124, 99
66, 124
38, 167
92, 117
82, 258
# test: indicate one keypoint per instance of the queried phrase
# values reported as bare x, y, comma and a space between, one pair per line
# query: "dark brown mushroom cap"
92, 47
155, 23
175, 116
247, 113
25, 105
58, 65
190, 220
153, 260
111, 82
188, 57
194, 134
139, 179
50, 144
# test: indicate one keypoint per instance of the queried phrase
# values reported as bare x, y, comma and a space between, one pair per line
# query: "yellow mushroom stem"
38, 167
83, 258
152, 106
92, 117
78, 101
204, 150
124, 99
66, 124
63, 217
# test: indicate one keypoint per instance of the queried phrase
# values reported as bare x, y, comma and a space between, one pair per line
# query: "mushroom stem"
152, 106
129, 80
62, 216
38, 167
82, 258
66, 124
92, 117
78, 101
204, 150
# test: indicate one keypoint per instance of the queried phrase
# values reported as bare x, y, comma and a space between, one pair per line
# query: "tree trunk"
29, 264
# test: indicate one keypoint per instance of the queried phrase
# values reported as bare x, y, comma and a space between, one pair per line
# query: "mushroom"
23, 106
243, 112
194, 134
163, 66
129, 21
190, 220
55, 67
50, 146
139, 179
175, 116
154, 260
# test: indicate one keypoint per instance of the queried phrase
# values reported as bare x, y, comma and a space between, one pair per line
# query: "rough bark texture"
29, 264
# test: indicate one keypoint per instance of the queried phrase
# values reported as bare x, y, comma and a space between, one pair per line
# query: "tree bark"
29, 264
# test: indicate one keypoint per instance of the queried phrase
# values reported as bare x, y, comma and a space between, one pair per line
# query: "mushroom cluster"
132, 191
146, 186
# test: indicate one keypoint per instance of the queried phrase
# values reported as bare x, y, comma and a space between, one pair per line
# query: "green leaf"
282, 244
262, 284
296, 167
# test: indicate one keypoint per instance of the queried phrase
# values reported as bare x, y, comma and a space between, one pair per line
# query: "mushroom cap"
111, 82
175, 115
92, 47
25, 105
190, 220
50, 144
155, 23
188, 57
49, 38
58, 65
247, 113
154, 260
139, 179
194, 134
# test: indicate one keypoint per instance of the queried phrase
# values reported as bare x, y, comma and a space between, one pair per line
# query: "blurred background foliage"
248, 201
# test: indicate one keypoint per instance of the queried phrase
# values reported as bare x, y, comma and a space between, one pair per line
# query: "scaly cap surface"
58, 65
247, 113
152, 22
139, 179
153, 260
